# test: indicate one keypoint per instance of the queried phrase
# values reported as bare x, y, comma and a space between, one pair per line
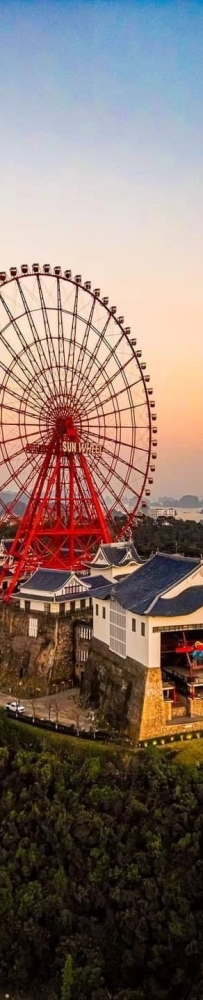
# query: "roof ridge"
179, 555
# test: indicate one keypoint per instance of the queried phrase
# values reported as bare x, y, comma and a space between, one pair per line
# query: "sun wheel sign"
78, 428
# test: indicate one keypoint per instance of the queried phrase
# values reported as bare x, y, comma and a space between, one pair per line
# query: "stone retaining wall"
36, 663
130, 696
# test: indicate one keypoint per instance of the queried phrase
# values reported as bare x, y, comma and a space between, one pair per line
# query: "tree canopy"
171, 535
101, 872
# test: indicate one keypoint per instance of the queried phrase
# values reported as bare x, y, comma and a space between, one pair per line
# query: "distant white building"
179, 513
165, 512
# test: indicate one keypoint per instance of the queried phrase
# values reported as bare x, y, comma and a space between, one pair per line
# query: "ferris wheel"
78, 427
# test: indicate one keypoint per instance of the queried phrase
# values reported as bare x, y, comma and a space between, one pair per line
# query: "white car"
14, 706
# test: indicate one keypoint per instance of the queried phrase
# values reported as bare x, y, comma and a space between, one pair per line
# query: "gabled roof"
159, 574
52, 581
48, 580
190, 599
120, 554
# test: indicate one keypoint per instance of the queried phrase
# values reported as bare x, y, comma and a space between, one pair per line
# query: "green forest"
185, 537
101, 881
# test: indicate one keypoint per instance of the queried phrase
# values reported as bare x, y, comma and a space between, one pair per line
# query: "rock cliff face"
130, 697
128, 694
36, 663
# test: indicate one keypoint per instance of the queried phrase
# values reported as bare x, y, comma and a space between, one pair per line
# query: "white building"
115, 560
57, 591
138, 623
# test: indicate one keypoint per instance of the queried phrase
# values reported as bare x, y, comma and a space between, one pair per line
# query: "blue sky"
101, 170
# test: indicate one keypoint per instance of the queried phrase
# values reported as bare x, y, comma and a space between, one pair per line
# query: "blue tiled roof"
93, 582
47, 579
104, 591
185, 603
159, 574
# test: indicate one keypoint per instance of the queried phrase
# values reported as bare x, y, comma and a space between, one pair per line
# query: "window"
83, 654
117, 629
46, 608
133, 624
73, 588
142, 628
103, 612
33, 627
82, 603
97, 609
72, 605
85, 632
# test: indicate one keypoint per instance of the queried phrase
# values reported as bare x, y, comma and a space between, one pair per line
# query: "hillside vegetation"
185, 537
101, 872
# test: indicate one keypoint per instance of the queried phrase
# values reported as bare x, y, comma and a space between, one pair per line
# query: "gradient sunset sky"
101, 170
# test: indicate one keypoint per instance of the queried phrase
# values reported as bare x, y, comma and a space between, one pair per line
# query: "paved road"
61, 707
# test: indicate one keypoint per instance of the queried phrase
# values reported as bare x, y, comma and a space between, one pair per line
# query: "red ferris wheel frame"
77, 420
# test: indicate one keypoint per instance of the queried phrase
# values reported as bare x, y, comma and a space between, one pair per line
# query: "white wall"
103, 570
145, 649
110, 572
36, 606
179, 621
136, 644
154, 646
100, 624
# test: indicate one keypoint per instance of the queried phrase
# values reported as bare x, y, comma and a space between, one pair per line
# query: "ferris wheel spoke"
120, 443
12, 409
84, 344
21, 338
71, 351
105, 483
125, 387
121, 370
38, 344
61, 341
102, 368
124, 409
116, 473
10, 480
48, 334
18, 495
15, 395
123, 461
22, 412
93, 359
17, 437
19, 364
